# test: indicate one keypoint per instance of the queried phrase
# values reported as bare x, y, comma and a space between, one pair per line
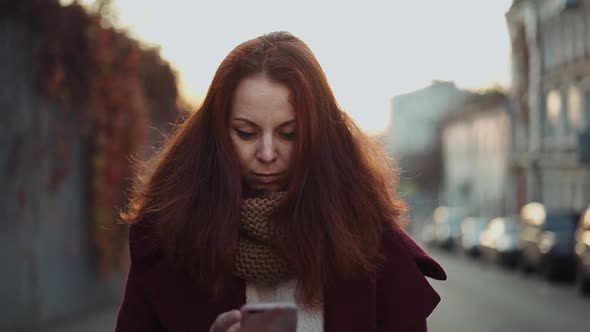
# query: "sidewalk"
98, 320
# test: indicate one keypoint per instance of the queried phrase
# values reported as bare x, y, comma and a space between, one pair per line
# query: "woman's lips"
266, 178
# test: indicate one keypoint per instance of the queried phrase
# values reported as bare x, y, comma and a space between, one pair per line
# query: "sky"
370, 50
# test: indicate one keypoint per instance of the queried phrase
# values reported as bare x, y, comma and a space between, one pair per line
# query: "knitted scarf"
256, 259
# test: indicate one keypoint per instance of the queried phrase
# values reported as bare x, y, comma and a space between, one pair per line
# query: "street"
477, 297
481, 297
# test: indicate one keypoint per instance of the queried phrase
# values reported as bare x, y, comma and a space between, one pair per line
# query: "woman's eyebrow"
245, 120
288, 122
284, 124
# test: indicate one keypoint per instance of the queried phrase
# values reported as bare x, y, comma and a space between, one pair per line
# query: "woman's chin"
258, 190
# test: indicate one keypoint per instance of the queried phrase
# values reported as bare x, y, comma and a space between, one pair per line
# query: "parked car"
583, 253
471, 229
499, 241
547, 241
447, 225
428, 234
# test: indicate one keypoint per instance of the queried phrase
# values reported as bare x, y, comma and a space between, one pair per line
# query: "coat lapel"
399, 300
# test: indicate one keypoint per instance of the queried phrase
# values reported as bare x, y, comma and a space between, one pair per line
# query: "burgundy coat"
159, 299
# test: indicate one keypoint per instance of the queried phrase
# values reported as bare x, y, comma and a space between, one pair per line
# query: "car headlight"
547, 242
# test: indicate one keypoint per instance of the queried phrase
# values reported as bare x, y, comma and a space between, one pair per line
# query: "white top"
308, 320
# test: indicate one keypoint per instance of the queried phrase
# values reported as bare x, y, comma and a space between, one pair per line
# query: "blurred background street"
484, 298
483, 105
478, 296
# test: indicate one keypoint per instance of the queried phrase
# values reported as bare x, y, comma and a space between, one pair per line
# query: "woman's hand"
228, 321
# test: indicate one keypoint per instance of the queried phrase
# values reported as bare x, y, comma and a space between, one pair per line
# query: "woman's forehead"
260, 100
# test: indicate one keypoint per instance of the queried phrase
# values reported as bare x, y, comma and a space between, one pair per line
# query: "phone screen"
275, 317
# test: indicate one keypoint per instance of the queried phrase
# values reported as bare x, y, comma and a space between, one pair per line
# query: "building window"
547, 34
568, 35
580, 35
557, 43
561, 42
575, 116
553, 112
586, 110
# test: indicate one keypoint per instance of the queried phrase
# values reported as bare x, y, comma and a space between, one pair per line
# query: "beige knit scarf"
256, 259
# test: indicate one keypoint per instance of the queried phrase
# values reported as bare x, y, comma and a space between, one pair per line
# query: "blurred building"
476, 144
413, 140
414, 117
551, 91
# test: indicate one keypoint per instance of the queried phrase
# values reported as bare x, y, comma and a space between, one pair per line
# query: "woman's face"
263, 130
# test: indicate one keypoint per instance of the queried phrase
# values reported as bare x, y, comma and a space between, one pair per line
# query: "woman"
270, 192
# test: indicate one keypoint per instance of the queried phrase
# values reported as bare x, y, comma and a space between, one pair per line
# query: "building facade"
476, 144
551, 92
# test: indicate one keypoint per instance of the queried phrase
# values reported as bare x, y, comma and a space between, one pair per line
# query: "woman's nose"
267, 151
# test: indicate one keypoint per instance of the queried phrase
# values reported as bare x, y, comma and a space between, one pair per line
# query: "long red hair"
340, 197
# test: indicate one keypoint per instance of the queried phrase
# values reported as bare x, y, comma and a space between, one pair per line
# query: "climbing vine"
117, 86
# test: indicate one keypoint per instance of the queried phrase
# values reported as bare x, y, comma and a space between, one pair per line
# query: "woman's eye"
245, 134
289, 136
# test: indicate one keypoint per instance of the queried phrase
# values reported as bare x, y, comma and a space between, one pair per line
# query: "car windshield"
560, 223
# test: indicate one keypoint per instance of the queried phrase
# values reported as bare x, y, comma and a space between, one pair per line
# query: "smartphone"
275, 317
